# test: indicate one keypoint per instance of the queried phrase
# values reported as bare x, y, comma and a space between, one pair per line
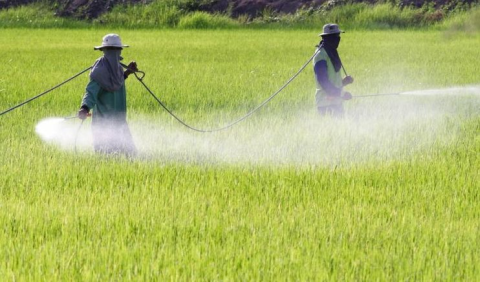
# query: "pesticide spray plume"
373, 130
303, 139
460, 90
64, 133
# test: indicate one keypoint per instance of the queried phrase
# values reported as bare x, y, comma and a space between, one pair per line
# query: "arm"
321, 74
89, 99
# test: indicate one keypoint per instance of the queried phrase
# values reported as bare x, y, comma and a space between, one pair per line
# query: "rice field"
390, 192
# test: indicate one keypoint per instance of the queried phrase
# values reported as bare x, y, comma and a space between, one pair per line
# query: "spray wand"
370, 95
375, 95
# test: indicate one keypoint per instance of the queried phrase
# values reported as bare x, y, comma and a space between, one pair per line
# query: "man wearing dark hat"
106, 95
327, 66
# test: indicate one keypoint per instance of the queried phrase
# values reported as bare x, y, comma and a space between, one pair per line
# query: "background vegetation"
185, 15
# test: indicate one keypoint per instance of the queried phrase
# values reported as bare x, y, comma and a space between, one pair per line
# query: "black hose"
43, 93
140, 79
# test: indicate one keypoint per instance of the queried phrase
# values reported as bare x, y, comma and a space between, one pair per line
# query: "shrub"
155, 14
385, 16
434, 17
463, 22
202, 20
183, 14
344, 14
34, 15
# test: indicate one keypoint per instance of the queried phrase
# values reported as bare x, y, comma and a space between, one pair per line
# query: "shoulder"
97, 61
93, 86
321, 55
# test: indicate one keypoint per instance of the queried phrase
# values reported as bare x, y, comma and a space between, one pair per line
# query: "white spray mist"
461, 90
374, 129
65, 133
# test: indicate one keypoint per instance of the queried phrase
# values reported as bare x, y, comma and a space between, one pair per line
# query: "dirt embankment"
90, 9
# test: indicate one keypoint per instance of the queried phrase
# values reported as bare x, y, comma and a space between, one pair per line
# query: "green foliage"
344, 14
468, 22
355, 16
184, 14
385, 16
203, 20
156, 14
189, 5
35, 16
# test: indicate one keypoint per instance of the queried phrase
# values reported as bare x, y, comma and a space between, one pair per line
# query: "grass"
389, 193
36, 16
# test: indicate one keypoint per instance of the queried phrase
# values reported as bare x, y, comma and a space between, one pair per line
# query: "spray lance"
368, 95
376, 95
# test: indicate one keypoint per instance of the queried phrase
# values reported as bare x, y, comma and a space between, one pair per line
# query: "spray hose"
140, 75
140, 79
45, 92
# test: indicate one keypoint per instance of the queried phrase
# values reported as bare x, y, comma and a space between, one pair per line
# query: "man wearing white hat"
106, 95
327, 66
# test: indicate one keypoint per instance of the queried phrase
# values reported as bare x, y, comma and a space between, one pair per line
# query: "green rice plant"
388, 193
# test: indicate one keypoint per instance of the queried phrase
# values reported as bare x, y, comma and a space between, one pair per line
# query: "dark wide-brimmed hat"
331, 29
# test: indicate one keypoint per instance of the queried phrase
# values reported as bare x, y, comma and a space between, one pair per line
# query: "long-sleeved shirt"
105, 105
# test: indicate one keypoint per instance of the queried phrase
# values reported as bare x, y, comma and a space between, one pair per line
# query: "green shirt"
106, 105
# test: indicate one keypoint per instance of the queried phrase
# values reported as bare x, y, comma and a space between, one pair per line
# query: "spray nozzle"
83, 114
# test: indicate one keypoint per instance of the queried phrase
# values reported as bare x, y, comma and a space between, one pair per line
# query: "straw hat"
331, 29
111, 40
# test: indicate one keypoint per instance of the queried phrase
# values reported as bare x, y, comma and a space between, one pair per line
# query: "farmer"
106, 95
327, 64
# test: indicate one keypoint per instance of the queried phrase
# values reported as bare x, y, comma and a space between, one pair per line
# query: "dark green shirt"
106, 105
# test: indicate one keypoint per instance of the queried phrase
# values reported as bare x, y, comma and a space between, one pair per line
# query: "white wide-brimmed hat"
331, 29
111, 40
